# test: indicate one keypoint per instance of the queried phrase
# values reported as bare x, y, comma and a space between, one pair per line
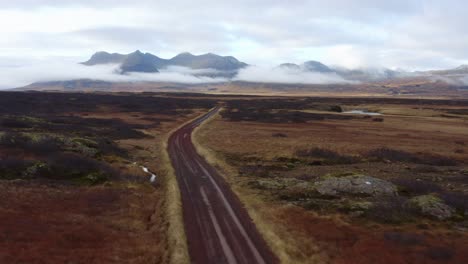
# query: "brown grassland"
67, 216
268, 149
72, 189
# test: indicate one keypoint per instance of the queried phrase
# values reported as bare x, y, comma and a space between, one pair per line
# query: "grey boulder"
355, 185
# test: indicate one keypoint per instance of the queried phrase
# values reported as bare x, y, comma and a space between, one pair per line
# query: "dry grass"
298, 235
101, 224
153, 154
135, 222
105, 210
172, 205
176, 250
413, 134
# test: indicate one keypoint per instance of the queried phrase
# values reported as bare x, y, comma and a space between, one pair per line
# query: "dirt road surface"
218, 228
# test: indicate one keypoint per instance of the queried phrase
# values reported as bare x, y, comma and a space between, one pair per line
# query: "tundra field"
325, 180
326, 186
71, 186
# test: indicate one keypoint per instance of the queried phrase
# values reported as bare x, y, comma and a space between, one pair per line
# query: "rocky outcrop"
355, 185
432, 206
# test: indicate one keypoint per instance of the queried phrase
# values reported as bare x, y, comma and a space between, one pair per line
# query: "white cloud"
21, 72
279, 75
12, 76
351, 57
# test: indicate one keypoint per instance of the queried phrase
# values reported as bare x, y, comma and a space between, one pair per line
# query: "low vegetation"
346, 184
326, 156
70, 168
388, 154
280, 116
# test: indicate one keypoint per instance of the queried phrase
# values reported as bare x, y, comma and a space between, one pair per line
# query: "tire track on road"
218, 228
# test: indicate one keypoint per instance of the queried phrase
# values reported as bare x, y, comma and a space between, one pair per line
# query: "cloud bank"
285, 76
21, 72
18, 74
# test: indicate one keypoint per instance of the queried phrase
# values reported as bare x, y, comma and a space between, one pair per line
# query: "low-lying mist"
19, 75
22, 73
286, 76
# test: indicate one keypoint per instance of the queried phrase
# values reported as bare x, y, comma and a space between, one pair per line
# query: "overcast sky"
408, 34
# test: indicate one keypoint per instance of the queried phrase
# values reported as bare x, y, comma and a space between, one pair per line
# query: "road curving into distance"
218, 228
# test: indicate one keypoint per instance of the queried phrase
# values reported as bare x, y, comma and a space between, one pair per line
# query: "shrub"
404, 238
457, 200
384, 153
336, 108
15, 123
440, 253
391, 154
74, 167
279, 135
10, 139
94, 178
109, 147
416, 187
57, 103
436, 160
377, 119
329, 156
45, 145
256, 170
391, 210
42, 145
267, 115
13, 168
427, 169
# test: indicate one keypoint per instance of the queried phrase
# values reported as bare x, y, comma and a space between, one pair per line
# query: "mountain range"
228, 66
147, 62
222, 66
349, 74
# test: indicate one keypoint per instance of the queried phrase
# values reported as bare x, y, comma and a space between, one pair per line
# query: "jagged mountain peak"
138, 61
103, 57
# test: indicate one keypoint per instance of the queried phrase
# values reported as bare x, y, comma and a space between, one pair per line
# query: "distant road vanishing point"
219, 229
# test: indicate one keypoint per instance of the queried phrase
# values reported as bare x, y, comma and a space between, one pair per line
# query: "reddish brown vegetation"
415, 147
57, 224
346, 244
69, 189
